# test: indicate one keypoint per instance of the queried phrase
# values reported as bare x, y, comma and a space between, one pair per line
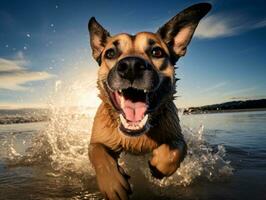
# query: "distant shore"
224, 111
17, 116
21, 119
231, 106
15, 119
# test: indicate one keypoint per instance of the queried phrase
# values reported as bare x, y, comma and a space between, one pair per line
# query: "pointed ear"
98, 38
178, 32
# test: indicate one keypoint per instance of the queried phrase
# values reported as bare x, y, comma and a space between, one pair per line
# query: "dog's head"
137, 71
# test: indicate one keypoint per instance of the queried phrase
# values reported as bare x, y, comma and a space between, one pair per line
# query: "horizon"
46, 107
44, 46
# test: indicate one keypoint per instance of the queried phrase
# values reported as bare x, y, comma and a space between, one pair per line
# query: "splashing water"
202, 161
62, 145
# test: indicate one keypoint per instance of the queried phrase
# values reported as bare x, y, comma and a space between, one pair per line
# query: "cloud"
260, 24
225, 25
214, 87
14, 74
240, 91
10, 65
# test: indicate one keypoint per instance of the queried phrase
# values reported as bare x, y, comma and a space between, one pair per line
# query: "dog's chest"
140, 144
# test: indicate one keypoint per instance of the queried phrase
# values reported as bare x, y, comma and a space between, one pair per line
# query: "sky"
44, 44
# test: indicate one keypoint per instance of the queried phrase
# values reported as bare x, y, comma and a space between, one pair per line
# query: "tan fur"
108, 134
133, 47
105, 129
164, 139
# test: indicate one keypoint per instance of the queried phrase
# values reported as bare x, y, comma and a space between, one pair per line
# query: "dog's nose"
131, 68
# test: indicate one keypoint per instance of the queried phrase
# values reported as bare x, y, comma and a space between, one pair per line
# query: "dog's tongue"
134, 111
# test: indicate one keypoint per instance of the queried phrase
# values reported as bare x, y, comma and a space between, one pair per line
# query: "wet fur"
166, 129
164, 138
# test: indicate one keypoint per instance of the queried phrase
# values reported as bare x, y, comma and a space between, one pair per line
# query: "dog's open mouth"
132, 105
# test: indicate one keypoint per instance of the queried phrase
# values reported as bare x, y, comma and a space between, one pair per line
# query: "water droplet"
28, 35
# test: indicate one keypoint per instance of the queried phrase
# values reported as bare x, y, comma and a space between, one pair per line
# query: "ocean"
48, 160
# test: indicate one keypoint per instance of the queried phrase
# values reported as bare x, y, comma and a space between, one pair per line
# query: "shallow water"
48, 160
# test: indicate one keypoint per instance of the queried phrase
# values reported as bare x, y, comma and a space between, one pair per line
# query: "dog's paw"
155, 172
113, 182
164, 161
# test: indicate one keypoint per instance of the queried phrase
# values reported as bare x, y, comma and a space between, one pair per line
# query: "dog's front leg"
112, 180
166, 159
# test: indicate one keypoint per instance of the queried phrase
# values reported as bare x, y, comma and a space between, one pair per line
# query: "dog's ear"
178, 31
98, 38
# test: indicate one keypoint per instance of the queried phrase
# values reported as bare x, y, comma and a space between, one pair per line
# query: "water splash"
63, 144
202, 161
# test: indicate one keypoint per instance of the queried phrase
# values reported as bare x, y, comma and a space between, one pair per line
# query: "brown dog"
136, 80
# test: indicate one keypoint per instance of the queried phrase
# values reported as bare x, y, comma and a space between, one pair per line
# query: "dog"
136, 82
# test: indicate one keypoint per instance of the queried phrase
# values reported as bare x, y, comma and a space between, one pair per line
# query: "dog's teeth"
122, 102
120, 91
133, 126
145, 91
123, 120
144, 120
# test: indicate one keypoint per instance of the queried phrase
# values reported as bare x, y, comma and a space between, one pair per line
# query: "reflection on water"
226, 160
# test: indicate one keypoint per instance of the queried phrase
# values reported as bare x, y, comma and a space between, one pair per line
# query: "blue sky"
42, 42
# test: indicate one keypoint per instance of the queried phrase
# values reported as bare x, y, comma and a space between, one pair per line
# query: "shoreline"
224, 111
20, 120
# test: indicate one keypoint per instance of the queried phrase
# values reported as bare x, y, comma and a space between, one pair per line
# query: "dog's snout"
131, 67
133, 72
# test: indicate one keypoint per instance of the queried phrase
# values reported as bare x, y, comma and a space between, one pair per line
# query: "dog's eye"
110, 53
157, 52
